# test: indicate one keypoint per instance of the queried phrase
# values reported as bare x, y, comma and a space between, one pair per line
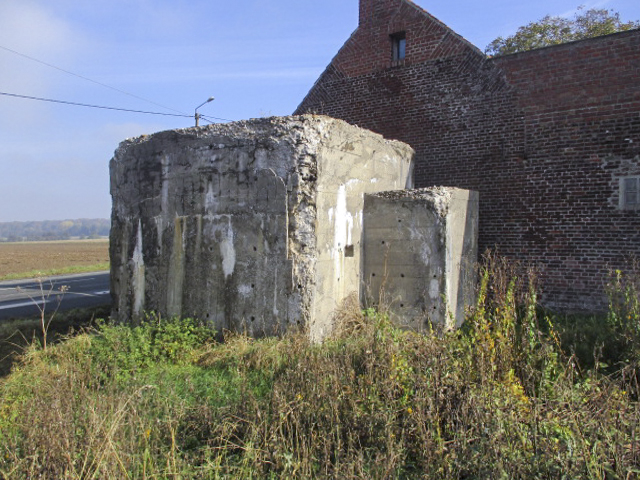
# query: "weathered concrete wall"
252, 226
420, 254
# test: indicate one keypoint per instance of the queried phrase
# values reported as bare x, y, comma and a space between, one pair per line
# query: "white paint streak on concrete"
137, 252
159, 229
209, 199
184, 234
138, 279
339, 225
275, 293
417, 237
343, 228
164, 163
434, 290
349, 229
228, 252
245, 290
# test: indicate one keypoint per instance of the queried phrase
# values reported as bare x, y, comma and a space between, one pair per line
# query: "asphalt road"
21, 298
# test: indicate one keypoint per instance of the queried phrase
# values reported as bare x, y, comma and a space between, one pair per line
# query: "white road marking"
22, 304
75, 294
17, 295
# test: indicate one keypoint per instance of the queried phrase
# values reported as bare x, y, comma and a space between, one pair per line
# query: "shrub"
624, 311
124, 349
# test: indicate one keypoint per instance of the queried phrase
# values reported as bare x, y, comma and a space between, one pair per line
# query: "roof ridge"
441, 23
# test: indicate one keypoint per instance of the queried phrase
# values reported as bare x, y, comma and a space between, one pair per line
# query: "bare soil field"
24, 259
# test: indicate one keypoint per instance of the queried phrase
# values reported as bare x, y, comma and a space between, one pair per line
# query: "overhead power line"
77, 104
211, 119
182, 114
90, 80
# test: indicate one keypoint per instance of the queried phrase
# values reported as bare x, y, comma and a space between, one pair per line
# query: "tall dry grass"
502, 398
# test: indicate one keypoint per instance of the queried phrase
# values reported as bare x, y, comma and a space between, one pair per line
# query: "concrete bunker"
420, 253
251, 226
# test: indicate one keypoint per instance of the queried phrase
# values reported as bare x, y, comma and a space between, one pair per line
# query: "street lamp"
197, 115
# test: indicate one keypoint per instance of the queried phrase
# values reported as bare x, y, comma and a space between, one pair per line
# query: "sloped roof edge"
442, 24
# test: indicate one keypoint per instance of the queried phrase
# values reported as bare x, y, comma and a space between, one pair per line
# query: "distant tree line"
54, 230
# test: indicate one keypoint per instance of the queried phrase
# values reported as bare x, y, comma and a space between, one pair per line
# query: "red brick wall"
543, 136
581, 104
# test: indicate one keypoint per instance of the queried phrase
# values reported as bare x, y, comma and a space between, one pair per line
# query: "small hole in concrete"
435, 276
434, 308
383, 242
399, 221
349, 251
402, 275
208, 315
253, 319
255, 249
253, 285
373, 274
300, 286
401, 305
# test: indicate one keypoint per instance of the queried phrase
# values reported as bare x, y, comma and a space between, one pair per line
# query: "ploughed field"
24, 259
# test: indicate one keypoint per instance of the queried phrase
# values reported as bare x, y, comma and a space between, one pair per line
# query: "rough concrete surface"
420, 254
252, 226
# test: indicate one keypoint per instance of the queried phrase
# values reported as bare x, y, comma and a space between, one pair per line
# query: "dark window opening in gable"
399, 45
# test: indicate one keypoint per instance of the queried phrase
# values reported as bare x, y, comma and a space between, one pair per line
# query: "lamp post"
197, 115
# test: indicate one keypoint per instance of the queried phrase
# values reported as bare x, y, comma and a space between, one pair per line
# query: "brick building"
550, 138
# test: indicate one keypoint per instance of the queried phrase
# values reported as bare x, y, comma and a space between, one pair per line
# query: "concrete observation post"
251, 226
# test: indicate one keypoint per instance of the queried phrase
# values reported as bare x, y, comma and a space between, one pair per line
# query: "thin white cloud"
33, 30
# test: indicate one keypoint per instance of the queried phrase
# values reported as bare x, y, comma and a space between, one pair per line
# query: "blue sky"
257, 57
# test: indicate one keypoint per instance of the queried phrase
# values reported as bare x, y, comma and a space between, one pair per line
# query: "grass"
98, 267
17, 336
27, 259
504, 397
